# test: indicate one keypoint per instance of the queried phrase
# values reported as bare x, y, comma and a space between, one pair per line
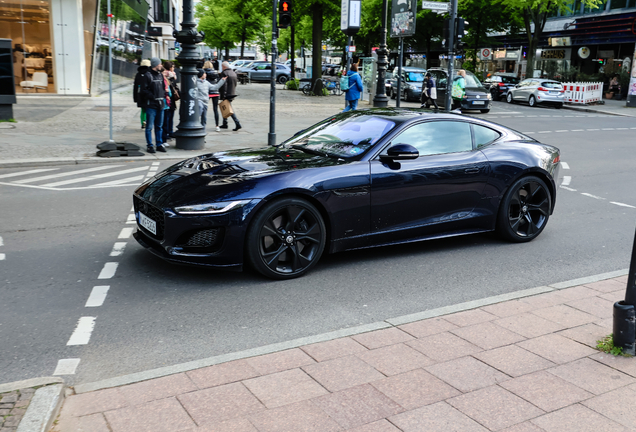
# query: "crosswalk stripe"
96, 177
122, 181
66, 174
21, 173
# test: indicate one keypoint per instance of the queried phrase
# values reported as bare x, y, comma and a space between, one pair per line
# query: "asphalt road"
56, 242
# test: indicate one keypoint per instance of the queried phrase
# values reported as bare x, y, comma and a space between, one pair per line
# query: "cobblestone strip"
13, 405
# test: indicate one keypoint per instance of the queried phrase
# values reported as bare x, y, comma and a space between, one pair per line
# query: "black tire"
286, 239
485, 111
283, 79
495, 95
532, 101
306, 89
525, 210
509, 98
559, 106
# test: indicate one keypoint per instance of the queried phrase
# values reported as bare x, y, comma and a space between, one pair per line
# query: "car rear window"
553, 85
510, 80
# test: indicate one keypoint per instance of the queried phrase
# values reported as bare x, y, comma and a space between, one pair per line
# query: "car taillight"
502, 85
556, 159
543, 89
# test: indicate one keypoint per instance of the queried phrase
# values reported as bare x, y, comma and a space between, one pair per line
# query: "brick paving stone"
22, 403
4, 411
523, 427
443, 346
623, 364
93, 402
508, 308
617, 405
576, 418
438, 417
529, 325
223, 373
11, 421
488, 335
357, 406
467, 374
586, 334
220, 403
546, 391
283, 388
381, 338
614, 296
333, 349
495, 407
415, 389
5, 406
395, 359
427, 327
544, 300
608, 285
89, 423
299, 417
17, 411
9, 397
592, 376
557, 348
157, 388
234, 425
158, 416
575, 293
513, 360
341, 373
565, 315
596, 306
280, 361
379, 426
470, 317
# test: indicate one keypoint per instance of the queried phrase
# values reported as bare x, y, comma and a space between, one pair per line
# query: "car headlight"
211, 208
489, 96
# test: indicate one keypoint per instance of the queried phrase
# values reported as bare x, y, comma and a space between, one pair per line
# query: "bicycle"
333, 87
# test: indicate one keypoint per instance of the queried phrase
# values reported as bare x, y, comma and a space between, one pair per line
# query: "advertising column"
631, 91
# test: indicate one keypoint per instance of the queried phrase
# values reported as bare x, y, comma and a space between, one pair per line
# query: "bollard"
625, 327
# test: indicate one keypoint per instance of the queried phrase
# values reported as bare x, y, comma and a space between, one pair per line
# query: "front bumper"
476, 104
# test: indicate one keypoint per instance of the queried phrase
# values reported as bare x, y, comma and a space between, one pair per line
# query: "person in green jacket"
459, 88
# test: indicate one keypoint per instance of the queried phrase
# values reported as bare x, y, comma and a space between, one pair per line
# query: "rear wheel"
509, 98
283, 79
525, 210
286, 239
532, 101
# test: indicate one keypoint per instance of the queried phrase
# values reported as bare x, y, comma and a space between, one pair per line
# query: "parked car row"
262, 71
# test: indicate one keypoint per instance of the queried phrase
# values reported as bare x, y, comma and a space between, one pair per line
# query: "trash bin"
7, 83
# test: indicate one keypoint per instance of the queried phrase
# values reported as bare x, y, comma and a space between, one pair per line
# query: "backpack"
344, 83
458, 91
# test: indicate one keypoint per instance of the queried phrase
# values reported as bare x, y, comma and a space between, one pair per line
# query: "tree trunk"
316, 40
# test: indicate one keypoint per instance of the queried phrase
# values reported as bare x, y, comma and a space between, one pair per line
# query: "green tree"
535, 14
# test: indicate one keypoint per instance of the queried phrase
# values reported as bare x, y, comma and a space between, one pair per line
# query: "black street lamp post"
381, 99
191, 133
624, 322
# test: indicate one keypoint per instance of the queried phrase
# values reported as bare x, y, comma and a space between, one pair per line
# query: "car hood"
476, 91
230, 173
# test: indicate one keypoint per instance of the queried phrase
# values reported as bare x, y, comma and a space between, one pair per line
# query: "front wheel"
525, 210
283, 79
307, 89
286, 239
532, 101
509, 98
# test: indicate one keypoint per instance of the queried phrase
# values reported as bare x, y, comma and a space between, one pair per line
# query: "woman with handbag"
213, 78
429, 92
172, 92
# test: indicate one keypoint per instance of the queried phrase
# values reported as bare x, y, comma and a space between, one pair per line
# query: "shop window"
618, 4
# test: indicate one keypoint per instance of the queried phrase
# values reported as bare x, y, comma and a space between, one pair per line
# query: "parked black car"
477, 97
499, 84
411, 87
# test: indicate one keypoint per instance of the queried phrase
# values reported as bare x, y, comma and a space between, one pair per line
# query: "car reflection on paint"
355, 180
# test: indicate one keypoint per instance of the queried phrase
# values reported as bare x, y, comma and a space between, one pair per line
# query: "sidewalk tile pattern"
526, 365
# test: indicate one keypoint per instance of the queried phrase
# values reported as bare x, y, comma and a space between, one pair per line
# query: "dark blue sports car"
355, 180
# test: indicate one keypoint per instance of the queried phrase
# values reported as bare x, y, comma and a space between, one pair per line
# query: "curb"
88, 160
598, 111
43, 409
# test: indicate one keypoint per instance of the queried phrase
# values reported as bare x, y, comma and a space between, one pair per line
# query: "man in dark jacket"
153, 92
141, 70
429, 92
228, 92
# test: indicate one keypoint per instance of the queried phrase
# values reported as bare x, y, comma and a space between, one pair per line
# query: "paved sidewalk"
523, 365
610, 106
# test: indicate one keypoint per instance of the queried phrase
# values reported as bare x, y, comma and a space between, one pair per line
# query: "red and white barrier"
583, 92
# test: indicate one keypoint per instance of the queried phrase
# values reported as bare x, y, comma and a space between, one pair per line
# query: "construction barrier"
583, 92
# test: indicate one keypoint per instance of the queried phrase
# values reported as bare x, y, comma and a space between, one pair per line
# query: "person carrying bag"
429, 92
354, 88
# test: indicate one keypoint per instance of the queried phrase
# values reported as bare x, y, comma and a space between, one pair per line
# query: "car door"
262, 72
521, 93
441, 83
441, 187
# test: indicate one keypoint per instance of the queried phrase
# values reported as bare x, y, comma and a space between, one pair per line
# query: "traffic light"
447, 31
460, 31
284, 13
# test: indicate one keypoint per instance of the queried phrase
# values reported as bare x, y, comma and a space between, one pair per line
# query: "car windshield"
472, 81
342, 137
414, 77
554, 85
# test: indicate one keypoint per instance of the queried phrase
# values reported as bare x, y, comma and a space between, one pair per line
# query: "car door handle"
471, 170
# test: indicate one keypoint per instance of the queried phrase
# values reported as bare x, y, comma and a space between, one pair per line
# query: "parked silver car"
262, 71
537, 91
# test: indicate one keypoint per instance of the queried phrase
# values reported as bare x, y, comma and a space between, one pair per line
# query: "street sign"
350, 16
485, 53
436, 6
403, 18
352, 48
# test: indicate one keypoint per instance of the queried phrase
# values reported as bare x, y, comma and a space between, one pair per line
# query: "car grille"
207, 240
153, 213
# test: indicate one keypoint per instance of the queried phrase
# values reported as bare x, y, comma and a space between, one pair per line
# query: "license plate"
479, 102
147, 223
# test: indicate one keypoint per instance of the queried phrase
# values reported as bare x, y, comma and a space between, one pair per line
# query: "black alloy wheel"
283, 79
286, 239
509, 98
532, 101
525, 210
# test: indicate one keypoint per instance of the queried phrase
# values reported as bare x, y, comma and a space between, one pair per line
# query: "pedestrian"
429, 92
459, 88
141, 70
352, 94
215, 63
168, 113
154, 98
228, 92
203, 93
213, 77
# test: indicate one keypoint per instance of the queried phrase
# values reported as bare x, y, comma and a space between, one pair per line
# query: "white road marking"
95, 177
545, 131
592, 196
125, 233
63, 189
66, 174
1, 242
531, 116
564, 130
122, 181
593, 129
568, 116
566, 180
118, 249
565, 165
21, 173
577, 130
66, 366
83, 331
131, 219
621, 204
567, 188
622, 128
108, 271
609, 129
156, 163
526, 133
98, 295
632, 128
2, 257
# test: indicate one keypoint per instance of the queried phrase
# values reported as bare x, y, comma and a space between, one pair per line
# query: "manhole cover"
105, 108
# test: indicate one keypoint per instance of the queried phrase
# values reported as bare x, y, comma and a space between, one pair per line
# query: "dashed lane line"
21, 173
565, 165
125, 233
108, 271
118, 249
592, 196
621, 204
83, 331
2, 257
98, 296
566, 180
66, 366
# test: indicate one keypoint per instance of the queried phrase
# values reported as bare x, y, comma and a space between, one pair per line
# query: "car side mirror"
400, 152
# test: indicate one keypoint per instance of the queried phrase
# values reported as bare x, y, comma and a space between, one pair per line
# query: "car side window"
484, 135
437, 137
